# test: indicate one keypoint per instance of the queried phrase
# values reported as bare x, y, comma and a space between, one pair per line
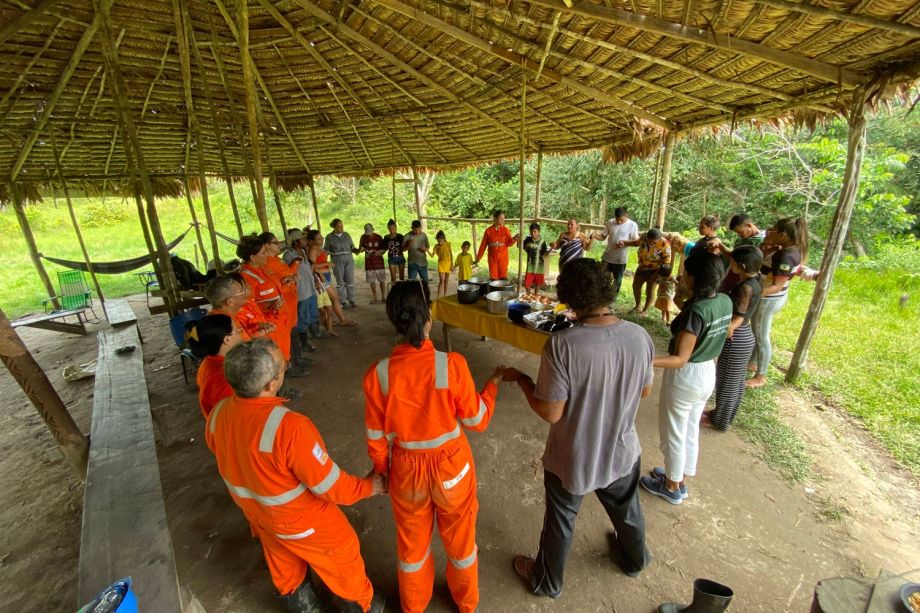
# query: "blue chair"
177, 326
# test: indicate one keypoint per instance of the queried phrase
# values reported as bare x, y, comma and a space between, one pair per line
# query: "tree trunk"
665, 182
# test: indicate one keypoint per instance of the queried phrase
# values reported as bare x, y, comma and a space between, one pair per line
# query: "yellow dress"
445, 257
464, 266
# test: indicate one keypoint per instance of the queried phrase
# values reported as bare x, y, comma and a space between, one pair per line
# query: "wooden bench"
119, 313
124, 518
55, 321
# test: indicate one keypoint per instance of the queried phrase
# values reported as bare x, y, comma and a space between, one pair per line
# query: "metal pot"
497, 302
467, 293
482, 283
501, 285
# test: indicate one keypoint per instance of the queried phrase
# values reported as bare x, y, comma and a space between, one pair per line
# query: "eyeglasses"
240, 293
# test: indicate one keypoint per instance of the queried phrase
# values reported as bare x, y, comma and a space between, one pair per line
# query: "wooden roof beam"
513, 58
23, 21
864, 20
53, 98
698, 35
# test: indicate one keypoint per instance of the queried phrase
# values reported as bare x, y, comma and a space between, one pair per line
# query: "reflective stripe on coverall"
264, 291
275, 465
417, 399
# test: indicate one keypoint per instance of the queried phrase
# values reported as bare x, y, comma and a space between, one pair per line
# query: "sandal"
755, 383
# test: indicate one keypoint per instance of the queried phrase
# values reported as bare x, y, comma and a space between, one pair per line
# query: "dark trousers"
617, 270
621, 501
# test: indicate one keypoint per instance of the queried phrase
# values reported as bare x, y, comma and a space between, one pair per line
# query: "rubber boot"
350, 606
303, 600
305, 343
708, 597
297, 356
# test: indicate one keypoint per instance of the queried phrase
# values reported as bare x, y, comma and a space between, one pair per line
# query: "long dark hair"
796, 230
206, 335
707, 271
409, 310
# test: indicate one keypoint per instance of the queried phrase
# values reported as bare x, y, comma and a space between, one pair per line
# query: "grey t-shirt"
600, 372
626, 231
413, 243
305, 287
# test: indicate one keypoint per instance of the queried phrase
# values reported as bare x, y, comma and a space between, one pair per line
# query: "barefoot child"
445, 258
536, 249
664, 298
464, 263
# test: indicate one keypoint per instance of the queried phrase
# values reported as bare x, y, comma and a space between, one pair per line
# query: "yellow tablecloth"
476, 319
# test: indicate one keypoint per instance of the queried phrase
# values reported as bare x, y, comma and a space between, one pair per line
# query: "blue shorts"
398, 260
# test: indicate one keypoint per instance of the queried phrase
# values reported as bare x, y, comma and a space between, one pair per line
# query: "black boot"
350, 606
305, 343
304, 600
708, 597
297, 356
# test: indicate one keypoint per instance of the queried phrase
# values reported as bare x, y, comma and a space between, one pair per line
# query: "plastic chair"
73, 293
149, 279
177, 327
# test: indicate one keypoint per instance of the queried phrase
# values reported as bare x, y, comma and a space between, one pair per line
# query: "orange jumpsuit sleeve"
375, 421
474, 409
486, 237
308, 459
509, 239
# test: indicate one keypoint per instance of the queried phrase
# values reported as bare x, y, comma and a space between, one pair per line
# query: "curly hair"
585, 285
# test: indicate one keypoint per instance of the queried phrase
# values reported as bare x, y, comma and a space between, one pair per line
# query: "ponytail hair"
796, 230
409, 310
206, 335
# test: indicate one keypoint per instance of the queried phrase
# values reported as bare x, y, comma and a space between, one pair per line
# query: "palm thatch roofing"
365, 86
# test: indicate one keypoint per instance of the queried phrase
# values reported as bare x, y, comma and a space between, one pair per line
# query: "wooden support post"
665, 182
538, 186
856, 145
23, 220
73, 218
233, 206
252, 100
206, 204
522, 186
474, 246
151, 249
653, 206
273, 183
194, 215
419, 213
393, 183
34, 382
313, 197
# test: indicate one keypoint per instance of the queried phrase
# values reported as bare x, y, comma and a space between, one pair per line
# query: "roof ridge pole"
73, 217
856, 146
29, 237
34, 382
523, 139
665, 182
131, 142
251, 101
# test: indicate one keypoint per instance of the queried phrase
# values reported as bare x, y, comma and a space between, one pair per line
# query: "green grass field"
863, 357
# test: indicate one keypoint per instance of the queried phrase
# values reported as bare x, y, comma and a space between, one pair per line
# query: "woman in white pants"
697, 336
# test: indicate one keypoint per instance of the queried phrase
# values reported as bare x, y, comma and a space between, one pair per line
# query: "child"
536, 249
323, 303
445, 259
464, 263
664, 299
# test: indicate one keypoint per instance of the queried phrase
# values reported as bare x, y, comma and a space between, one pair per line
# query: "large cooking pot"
497, 302
501, 285
467, 293
482, 283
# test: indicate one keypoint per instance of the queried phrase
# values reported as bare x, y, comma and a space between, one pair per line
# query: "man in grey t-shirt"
616, 231
591, 379
416, 246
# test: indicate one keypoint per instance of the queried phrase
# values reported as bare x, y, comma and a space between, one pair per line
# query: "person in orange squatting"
285, 276
418, 399
266, 293
279, 473
497, 238
211, 338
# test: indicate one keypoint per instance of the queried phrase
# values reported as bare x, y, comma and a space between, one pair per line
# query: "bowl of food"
910, 596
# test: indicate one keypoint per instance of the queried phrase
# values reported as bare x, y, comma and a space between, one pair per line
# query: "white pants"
684, 392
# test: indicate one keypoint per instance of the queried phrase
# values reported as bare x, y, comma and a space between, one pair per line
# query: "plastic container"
116, 598
517, 311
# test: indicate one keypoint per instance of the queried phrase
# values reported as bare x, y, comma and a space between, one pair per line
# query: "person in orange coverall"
419, 399
227, 296
497, 238
278, 471
210, 338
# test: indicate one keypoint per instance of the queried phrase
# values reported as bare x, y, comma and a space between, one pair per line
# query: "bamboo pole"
145, 229
475, 241
23, 220
273, 183
34, 382
856, 145
73, 218
191, 211
653, 208
665, 182
522, 186
313, 197
418, 202
393, 183
251, 101
538, 186
133, 151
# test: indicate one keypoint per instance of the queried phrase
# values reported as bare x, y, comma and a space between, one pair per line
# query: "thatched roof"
363, 86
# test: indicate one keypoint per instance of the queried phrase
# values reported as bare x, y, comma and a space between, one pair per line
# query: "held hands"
266, 327
379, 483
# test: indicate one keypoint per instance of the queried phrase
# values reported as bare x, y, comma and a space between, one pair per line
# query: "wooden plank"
119, 313
50, 321
181, 305
124, 519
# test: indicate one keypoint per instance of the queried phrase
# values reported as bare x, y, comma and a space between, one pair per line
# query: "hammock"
114, 268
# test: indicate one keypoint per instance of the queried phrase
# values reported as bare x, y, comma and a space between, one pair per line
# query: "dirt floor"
744, 525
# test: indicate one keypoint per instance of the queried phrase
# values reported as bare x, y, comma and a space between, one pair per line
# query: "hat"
294, 235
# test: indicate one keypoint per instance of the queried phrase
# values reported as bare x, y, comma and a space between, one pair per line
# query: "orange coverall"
497, 240
212, 384
247, 318
279, 270
418, 399
264, 292
278, 471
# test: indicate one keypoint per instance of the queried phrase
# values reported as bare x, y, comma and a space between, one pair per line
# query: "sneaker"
658, 473
657, 487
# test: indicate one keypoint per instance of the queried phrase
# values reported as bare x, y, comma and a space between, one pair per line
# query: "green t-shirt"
708, 321
755, 240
